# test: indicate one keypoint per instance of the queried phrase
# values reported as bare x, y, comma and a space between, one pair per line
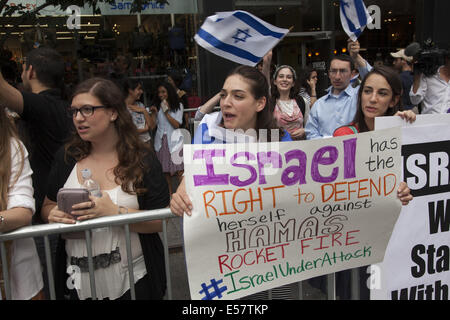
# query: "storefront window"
165, 39
397, 23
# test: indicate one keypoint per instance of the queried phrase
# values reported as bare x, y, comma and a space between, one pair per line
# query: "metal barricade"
87, 227
125, 221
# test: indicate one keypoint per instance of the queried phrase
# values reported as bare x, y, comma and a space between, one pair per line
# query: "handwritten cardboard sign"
270, 214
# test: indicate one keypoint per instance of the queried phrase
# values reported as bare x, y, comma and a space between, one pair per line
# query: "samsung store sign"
174, 7
116, 8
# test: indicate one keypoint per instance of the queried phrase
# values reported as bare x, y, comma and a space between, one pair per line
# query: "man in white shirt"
433, 91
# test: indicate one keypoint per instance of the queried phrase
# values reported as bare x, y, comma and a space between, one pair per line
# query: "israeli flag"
239, 36
354, 17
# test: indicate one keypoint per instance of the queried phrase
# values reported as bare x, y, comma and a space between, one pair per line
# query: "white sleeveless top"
108, 250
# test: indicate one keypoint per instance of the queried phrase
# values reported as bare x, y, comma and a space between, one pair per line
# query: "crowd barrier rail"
121, 220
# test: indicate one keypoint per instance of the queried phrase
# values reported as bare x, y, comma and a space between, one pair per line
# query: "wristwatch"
2, 222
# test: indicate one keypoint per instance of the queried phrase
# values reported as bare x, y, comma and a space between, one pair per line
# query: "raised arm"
207, 107
363, 66
10, 97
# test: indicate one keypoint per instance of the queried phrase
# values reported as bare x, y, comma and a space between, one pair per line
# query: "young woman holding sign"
379, 95
244, 104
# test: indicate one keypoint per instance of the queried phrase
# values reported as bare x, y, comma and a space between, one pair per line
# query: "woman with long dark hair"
245, 116
132, 90
289, 110
379, 95
248, 109
168, 138
130, 179
307, 85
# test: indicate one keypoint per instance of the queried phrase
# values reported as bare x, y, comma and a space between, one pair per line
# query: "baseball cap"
401, 54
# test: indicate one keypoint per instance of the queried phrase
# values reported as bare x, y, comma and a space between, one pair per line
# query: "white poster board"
266, 215
416, 265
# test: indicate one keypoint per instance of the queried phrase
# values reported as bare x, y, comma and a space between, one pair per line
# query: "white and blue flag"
238, 36
354, 17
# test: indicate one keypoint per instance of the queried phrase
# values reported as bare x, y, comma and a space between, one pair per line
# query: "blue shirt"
331, 112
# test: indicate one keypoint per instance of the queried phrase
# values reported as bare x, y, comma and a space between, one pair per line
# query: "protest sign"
416, 265
269, 214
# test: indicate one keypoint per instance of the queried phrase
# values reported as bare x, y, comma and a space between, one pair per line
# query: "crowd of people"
129, 148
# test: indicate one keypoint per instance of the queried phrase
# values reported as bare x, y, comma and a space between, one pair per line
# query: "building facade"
161, 36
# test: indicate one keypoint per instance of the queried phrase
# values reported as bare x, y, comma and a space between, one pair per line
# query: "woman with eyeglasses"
131, 180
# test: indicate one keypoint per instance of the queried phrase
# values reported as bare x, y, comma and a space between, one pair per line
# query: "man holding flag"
338, 107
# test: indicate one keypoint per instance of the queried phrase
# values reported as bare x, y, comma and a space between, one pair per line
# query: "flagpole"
290, 29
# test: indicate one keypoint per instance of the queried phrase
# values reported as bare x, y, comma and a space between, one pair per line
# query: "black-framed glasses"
86, 111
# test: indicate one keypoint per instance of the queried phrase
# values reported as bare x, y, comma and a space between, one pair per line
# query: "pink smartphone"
67, 197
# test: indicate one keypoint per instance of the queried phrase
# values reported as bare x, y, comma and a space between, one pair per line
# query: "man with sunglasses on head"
338, 107
43, 114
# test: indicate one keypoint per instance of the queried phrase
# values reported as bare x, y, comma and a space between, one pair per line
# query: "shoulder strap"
353, 128
301, 104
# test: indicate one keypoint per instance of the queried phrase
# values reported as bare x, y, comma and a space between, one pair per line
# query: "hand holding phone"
67, 197
164, 106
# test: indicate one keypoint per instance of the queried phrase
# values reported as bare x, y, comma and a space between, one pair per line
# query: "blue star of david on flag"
239, 36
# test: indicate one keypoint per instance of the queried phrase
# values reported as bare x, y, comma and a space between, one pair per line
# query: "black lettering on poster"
426, 167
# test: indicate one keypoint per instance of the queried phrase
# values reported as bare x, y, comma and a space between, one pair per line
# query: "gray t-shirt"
139, 121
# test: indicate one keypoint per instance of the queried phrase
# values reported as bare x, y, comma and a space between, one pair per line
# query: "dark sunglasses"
86, 111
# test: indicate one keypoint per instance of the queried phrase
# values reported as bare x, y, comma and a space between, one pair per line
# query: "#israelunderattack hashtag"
217, 291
